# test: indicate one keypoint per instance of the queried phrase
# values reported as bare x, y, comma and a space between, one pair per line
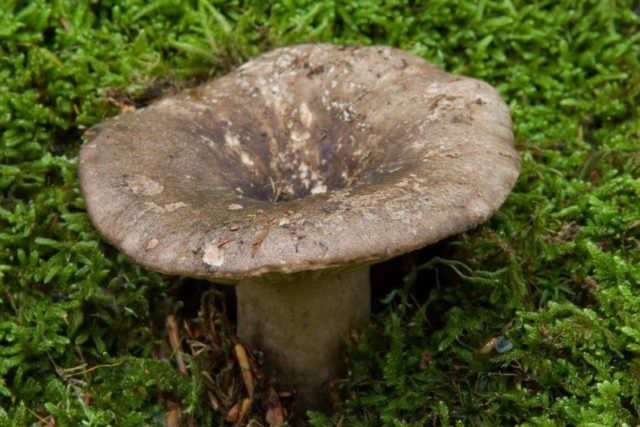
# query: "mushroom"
289, 176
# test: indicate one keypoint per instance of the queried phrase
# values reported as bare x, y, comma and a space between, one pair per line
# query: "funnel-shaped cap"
305, 158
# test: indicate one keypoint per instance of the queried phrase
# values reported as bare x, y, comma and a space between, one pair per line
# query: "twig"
174, 341
86, 371
44, 421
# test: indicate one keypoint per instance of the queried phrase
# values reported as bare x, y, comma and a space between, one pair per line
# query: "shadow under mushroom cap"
305, 158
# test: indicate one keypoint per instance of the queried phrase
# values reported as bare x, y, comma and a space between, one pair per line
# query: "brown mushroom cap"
305, 158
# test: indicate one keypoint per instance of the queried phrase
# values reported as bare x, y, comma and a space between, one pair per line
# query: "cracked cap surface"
306, 158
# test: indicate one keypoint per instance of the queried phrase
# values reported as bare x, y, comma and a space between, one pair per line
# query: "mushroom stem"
302, 324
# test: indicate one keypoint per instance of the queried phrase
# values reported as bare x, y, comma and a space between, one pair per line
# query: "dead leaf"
196, 94
488, 346
120, 100
426, 359
224, 241
245, 368
244, 411
233, 415
152, 244
590, 284
275, 415
255, 245
174, 341
172, 415
215, 403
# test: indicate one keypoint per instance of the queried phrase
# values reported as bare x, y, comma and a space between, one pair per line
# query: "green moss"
556, 271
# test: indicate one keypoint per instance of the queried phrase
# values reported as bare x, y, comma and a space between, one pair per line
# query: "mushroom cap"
308, 157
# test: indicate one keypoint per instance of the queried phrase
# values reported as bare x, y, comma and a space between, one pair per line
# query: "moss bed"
556, 272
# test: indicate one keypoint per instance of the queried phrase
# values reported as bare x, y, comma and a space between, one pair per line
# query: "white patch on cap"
300, 136
304, 170
319, 188
174, 206
209, 141
231, 140
140, 185
306, 116
284, 222
213, 255
244, 158
157, 209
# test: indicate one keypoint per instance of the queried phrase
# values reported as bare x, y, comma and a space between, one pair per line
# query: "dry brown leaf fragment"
152, 244
215, 403
120, 100
488, 346
590, 284
47, 422
90, 133
172, 415
244, 411
233, 415
224, 241
245, 368
227, 383
174, 341
196, 94
255, 245
426, 359
211, 323
66, 25
275, 414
